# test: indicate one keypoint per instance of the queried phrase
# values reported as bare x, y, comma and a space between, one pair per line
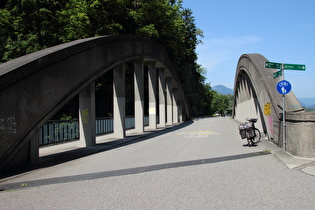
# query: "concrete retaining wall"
300, 134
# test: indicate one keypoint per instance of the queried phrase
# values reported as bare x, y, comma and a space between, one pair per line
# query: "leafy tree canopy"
30, 25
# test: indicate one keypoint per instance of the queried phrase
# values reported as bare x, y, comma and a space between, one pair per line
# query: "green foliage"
76, 20
30, 25
221, 103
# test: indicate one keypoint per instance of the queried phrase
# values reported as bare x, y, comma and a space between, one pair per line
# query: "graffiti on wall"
85, 116
267, 112
8, 125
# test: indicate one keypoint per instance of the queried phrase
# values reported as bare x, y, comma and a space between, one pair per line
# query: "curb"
306, 165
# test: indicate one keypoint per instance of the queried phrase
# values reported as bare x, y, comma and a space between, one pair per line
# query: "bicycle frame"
249, 131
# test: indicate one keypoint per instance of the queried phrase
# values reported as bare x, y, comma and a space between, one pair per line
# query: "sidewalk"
60, 153
307, 165
103, 141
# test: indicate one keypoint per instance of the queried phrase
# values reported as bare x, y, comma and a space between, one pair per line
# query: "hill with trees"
223, 90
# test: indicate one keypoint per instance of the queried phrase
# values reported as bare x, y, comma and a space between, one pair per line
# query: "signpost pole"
283, 115
282, 88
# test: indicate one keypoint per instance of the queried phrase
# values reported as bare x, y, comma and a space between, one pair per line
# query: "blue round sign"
283, 87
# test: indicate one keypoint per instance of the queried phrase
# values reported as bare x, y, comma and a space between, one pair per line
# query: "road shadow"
62, 157
122, 172
247, 145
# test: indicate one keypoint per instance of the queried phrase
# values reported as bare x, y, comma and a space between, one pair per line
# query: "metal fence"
59, 131
104, 125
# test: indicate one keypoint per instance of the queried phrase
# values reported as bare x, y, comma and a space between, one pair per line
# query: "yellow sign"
267, 109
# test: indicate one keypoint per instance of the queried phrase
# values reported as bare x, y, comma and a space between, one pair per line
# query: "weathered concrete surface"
255, 95
301, 132
34, 87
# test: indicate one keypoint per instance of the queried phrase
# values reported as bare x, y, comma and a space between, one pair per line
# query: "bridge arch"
34, 87
255, 95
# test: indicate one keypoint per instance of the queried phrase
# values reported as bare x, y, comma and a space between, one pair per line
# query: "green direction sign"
277, 74
294, 67
272, 65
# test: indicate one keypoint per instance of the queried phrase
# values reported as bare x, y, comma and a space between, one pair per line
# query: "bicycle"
249, 131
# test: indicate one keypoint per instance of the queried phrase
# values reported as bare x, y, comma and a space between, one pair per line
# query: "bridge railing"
59, 131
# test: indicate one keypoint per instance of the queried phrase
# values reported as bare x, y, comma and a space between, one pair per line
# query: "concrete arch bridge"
35, 87
255, 95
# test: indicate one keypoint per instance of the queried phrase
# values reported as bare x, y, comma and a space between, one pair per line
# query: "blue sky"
280, 30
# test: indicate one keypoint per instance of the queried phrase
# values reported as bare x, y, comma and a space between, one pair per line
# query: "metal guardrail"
59, 131
104, 125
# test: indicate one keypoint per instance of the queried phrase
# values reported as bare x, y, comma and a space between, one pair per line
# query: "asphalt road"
200, 165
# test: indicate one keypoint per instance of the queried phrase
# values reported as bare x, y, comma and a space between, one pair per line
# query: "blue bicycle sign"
283, 87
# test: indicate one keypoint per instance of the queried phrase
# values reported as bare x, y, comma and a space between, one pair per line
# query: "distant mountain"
307, 102
223, 90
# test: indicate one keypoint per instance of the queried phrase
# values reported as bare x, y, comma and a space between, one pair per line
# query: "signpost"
283, 87
294, 67
277, 74
272, 65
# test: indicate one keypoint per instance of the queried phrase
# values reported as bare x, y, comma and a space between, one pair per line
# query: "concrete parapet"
300, 134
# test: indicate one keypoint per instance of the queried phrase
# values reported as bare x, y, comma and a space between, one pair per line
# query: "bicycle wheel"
257, 136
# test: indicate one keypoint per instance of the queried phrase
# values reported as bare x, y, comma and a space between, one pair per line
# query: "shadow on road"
121, 172
62, 157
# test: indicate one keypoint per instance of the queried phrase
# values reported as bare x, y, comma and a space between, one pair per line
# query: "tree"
75, 20
220, 103
30, 25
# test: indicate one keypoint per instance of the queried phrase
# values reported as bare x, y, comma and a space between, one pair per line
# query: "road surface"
198, 165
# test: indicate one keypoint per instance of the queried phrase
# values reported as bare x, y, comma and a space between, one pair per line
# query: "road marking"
200, 133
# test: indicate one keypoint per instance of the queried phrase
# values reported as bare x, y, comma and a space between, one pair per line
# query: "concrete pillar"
169, 103
119, 101
180, 111
87, 116
139, 95
162, 111
152, 94
175, 105
34, 149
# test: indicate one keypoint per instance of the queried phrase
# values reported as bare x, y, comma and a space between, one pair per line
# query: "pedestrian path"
56, 154
306, 165
103, 141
